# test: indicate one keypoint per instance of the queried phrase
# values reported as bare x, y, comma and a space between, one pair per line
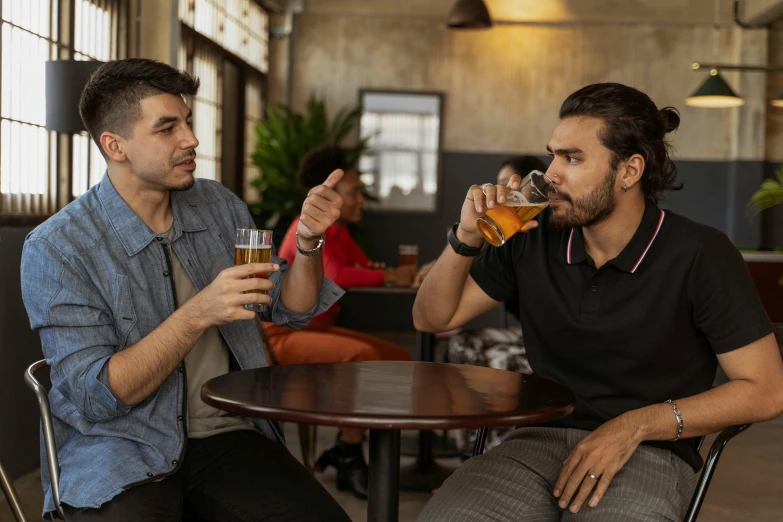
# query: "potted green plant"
282, 140
769, 194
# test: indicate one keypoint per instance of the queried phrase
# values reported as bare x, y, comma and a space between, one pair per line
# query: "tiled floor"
748, 485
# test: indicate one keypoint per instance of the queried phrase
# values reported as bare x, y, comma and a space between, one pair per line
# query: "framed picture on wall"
401, 167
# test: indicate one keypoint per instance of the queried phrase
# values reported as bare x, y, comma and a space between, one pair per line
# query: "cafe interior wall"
503, 88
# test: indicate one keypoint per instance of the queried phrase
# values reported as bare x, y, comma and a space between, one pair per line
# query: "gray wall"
19, 347
714, 193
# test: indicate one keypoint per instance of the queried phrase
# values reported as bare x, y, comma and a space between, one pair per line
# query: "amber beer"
409, 255
498, 224
253, 246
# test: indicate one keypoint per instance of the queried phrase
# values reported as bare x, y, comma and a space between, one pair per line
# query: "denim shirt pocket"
124, 314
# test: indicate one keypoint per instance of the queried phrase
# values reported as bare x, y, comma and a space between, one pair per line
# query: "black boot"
352, 472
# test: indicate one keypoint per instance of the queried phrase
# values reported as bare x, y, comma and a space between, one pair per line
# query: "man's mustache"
188, 156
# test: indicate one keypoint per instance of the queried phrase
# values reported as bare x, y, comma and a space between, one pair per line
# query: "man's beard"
590, 209
187, 184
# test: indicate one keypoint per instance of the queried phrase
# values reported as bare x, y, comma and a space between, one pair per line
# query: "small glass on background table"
253, 246
498, 224
409, 255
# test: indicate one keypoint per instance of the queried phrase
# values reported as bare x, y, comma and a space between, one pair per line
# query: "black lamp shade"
714, 93
65, 81
469, 14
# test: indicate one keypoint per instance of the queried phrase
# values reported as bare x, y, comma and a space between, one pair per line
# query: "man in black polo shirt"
629, 306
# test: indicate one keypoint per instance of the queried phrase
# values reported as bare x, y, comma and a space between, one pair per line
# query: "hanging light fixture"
714, 93
777, 102
469, 14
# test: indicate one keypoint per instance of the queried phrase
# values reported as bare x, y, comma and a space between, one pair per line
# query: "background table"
385, 397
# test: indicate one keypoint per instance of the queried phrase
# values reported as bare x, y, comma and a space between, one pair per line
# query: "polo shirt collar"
634, 252
132, 232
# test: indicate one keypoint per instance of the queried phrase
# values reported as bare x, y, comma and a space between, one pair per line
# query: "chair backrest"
706, 474
37, 373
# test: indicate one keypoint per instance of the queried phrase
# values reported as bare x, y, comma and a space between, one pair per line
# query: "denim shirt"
95, 280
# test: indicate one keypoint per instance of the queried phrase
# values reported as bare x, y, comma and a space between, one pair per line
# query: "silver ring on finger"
594, 477
484, 188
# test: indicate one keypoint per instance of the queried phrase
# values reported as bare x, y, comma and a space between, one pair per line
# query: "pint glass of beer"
409, 255
498, 224
253, 246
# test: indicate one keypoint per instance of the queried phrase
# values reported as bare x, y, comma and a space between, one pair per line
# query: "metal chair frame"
706, 475
42, 394
10, 494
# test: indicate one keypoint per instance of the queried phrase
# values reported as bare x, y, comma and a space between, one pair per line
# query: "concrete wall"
504, 86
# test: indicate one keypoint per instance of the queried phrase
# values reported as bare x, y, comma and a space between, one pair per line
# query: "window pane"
26, 154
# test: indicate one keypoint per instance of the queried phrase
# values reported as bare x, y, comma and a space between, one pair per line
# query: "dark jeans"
240, 476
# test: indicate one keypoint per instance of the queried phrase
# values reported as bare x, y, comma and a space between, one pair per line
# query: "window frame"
437, 209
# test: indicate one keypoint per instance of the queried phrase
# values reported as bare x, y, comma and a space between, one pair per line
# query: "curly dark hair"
110, 100
319, 163
632, 125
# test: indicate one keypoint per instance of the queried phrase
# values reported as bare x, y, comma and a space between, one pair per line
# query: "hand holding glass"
498, 224
253, 246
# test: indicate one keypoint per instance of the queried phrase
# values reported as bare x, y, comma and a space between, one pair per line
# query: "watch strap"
460, 247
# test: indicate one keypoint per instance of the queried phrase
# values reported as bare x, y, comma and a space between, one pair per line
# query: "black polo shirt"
643, 328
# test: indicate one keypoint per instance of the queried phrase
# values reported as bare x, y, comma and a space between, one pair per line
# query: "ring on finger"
484, 188
594, 477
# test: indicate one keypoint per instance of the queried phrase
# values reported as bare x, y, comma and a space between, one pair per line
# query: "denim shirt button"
179, 417
175, 462
159, 238
165, 274
149, 474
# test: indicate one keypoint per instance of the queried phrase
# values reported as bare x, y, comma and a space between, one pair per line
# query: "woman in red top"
322, 341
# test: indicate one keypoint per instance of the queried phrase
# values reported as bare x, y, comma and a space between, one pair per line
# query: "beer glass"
409, 255
253, 246
498, 224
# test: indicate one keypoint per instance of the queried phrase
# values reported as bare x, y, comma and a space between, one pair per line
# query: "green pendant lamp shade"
714, 93
469, 14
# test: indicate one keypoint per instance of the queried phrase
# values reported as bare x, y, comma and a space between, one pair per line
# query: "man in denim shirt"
132, 288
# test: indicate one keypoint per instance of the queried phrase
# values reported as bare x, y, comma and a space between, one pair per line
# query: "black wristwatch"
460, 247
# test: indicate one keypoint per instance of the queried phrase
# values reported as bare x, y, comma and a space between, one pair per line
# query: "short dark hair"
110, 100
523, 165
319, 163
632, 125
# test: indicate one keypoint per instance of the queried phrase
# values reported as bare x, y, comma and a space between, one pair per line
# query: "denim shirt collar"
133, 233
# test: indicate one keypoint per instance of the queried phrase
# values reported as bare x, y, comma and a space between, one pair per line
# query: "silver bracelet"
678, 415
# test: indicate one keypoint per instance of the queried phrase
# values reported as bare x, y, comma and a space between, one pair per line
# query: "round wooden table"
386, 397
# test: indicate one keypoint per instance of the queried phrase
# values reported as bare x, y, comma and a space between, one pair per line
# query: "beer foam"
254, 247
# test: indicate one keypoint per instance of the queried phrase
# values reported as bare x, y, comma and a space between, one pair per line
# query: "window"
218, 38
239, 26
401, 166
96, 24
204, 62
28, 154
254, 111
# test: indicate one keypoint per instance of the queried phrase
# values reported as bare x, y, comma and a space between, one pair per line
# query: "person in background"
322, 341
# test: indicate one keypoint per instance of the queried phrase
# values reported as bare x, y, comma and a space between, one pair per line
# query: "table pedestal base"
384, 493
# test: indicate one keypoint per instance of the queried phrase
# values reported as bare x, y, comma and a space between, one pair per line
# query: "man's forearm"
736, 402
302, 283
137, 371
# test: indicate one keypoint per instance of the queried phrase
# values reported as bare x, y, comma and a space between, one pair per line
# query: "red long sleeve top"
344, 262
